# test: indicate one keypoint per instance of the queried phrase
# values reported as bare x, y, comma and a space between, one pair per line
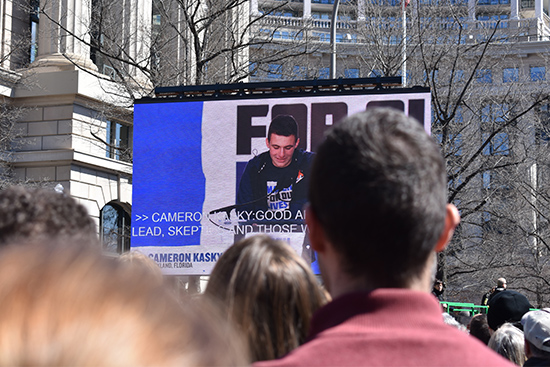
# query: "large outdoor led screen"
193, 195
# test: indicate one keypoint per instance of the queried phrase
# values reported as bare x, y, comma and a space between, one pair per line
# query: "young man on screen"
277, 180
377, 217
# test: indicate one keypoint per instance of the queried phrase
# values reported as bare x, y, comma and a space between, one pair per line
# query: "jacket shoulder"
304, 157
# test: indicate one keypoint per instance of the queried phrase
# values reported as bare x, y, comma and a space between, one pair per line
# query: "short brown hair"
284, 125
41, 213
378, 189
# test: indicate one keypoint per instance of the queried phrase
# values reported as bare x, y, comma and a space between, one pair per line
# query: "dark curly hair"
35, 213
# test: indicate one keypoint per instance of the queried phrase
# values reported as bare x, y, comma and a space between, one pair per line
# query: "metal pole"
333, 39
404, 66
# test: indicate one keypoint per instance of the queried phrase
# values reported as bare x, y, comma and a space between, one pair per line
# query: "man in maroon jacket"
378, 215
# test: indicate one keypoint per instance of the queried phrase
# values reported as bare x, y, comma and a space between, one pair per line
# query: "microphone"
286, 182
226, 209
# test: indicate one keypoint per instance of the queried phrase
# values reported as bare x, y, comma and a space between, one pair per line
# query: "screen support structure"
266, 89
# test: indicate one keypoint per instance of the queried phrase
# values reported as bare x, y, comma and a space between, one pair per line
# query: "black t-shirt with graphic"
268, 188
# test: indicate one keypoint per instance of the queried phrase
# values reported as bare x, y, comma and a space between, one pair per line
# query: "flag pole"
404, 42
333, 39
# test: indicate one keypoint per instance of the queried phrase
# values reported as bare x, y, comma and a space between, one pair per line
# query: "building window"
494, 180
431, 75
319, 15
274, 71
323, 37
96, 38
375, 73
459, 118
118, 141
253, 68
299, 72
453, 143
494, 113
486, 179
351, 73
456, 140
538, 73
455, 180
115, 225
99, 23
458, 76
503, 19
297, 35
157, 36
35, 12
279, 13
324, 73
542, 135
498, 145
542, 130
510, 75
484, 76
494, 21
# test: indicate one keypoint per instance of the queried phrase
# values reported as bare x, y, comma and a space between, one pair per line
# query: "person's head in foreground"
378, 196
536, 328
269, 292
41, 213
508, 342
138, 259
67, 305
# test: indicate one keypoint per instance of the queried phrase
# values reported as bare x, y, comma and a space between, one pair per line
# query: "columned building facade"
76, 124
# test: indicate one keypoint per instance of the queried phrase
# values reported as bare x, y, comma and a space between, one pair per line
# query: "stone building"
76, 126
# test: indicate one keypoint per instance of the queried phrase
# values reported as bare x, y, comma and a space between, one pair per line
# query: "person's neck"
340, 283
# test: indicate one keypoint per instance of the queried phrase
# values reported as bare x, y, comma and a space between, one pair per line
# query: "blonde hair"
136, 258
508, 341
63, 304
269, 292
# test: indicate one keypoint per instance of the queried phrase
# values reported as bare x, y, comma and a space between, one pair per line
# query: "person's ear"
452, 218
527, 348
267, 142
297, 142
316, 232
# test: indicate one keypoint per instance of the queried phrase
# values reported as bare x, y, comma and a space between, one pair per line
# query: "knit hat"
506, 306
536, 328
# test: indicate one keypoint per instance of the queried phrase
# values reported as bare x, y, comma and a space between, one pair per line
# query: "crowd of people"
510, 326
377, 218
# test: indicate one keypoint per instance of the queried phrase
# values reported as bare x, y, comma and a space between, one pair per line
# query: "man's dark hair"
378, 188
284, 125
39, 213
479, 328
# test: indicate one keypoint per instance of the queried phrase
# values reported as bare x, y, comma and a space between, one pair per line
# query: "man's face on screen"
281, 148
